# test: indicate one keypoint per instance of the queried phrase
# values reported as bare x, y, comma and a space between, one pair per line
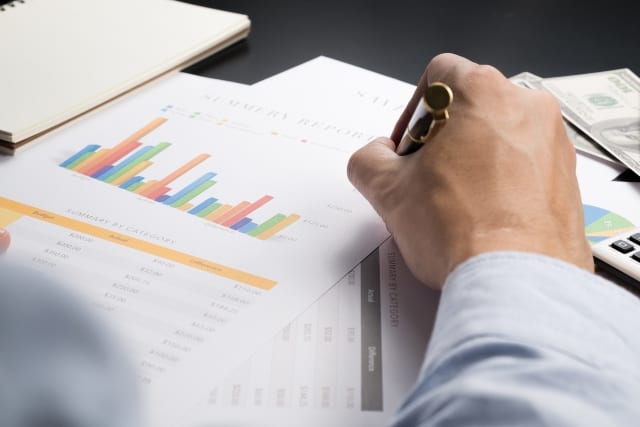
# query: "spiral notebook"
63, 58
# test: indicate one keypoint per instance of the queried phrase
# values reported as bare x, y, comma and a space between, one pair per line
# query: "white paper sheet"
349, 360
191, 297
314, 87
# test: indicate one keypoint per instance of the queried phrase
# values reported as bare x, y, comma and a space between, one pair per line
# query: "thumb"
371, 165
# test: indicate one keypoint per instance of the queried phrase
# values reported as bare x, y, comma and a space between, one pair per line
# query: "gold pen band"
431, 109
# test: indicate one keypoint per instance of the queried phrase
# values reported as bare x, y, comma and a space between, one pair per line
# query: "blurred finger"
5, 240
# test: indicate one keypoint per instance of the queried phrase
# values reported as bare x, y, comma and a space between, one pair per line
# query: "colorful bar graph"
178, 172
232, 212
221, 210
141, 156
265, 234
79, 156
208, 210
191, 194
131, 173
247, 210
210, 201
122, 165
112, 156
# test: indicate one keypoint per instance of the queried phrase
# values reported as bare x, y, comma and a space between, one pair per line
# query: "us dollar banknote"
580, 141
606, 107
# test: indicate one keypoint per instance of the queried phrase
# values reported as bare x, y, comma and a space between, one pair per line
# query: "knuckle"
483, 75
549, 104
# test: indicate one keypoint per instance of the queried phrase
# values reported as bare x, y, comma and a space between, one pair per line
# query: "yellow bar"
279, 226
131, 173
88, 163
7, 217
218, 212
21, 209
145, 186
231, 212
186, 207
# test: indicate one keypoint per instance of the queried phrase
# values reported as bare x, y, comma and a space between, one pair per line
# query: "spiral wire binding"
6, 5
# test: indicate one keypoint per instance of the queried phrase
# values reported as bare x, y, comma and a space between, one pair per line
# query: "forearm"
523, 339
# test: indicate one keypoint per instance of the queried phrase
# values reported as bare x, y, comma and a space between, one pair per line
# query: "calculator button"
636, 256
622, 246
635, 238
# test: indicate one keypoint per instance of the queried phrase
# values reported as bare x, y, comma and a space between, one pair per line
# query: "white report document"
349, 360
197, 220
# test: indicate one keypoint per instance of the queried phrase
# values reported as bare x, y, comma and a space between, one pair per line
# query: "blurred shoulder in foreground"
58, 366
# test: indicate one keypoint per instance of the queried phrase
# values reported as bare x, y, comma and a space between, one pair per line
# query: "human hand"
5, 240
499, 175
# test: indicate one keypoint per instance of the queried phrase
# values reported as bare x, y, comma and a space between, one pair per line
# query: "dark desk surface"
397, 37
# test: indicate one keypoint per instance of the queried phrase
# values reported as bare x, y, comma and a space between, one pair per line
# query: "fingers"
5, 240
370, 165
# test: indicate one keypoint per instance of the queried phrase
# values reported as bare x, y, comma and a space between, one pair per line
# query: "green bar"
191, 194
80, 159
208, 210
134, 187
146, 156
267, 224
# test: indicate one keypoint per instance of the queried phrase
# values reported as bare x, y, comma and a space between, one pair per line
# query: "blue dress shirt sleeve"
523, 339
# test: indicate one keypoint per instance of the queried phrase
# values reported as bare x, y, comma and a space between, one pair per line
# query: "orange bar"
252, 207
113, 156
176, 174
186, 207
131, 173
157, 192
99, 155
279, 226
232, 212
137, 244
218, 212
145, 186
149, 127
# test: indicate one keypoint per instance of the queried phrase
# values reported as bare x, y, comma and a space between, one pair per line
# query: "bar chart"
122, 165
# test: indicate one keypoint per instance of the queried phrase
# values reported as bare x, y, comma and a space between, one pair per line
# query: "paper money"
606, 107
581, 142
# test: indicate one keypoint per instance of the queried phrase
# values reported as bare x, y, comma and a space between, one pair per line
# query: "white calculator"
620, 256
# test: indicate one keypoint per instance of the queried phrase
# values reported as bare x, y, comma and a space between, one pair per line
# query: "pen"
430, 112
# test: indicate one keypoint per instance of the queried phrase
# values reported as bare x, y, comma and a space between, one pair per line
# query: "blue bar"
203, 205
133, 157
88, 149
101, 171
162, 198
206, 177
247, 227
131, 181
238, 225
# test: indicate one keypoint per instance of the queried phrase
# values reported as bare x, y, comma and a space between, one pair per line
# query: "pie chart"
600, 224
